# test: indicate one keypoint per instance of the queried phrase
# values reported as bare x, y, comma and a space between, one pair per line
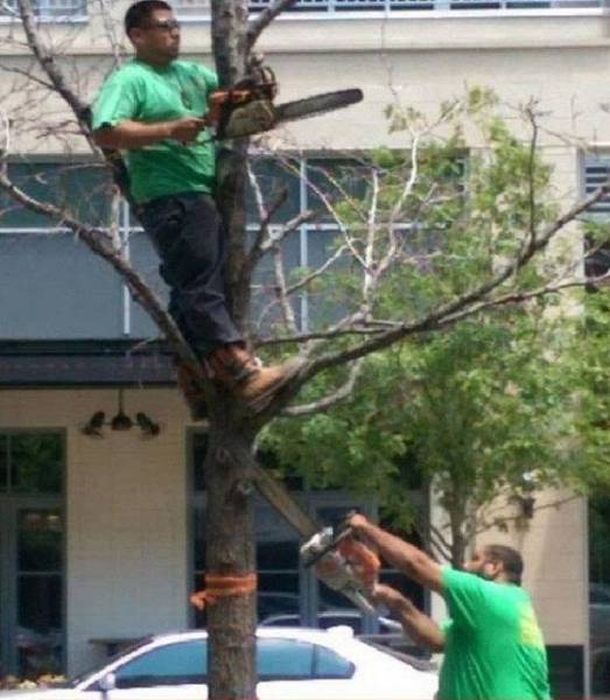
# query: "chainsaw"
343, 564
248, 107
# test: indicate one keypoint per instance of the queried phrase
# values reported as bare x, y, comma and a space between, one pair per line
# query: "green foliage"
593, 419
474, 408
496, 404
448, 216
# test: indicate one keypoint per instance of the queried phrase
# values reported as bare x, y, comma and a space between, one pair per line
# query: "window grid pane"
49, 9
597, 173
35, 463
331, 7
39, 636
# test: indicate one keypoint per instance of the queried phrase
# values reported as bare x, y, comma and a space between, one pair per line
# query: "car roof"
292, 632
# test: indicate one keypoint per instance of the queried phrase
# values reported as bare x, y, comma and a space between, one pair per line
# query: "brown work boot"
243, 375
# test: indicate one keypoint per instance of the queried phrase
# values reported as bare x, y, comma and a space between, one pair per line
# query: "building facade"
100, 535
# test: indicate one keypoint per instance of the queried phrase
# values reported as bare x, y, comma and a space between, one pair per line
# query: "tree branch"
26, 74
532, 172
316, 273
280, 279
257, 25
48, 64
323, 404
461, 307
110, 31
485, 525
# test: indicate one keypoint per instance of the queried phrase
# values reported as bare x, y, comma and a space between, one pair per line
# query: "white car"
335, 618
293, 664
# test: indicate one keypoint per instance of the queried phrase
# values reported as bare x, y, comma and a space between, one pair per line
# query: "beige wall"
126, 519
554, 548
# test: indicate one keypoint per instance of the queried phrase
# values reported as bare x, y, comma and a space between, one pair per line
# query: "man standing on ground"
492, 644
152, 109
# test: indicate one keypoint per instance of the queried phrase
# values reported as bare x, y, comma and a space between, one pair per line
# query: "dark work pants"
187, 234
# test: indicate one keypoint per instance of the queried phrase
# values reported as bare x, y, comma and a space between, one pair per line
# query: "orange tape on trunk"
221, 586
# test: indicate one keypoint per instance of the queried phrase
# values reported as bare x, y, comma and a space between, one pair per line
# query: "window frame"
45, 14
10, 506
373, 9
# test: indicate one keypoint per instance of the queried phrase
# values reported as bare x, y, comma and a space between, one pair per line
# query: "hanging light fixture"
120, 422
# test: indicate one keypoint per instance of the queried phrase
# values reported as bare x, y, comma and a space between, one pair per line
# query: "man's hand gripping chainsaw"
245, 108
343, 564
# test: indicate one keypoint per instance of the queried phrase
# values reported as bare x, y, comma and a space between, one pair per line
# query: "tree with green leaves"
482, 414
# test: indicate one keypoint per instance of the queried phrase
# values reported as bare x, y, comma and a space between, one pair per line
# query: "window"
281, 660
278, 659
30, 463
32, 552
92, 300
49, 9
311, 184
329, 664
396, 7
596, 173
291, 659
173, 664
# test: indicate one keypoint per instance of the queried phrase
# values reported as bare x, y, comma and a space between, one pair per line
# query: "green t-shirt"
140, 92
494, 648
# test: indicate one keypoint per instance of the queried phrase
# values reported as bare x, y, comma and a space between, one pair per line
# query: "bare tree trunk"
230, 536
230, 45
230, 546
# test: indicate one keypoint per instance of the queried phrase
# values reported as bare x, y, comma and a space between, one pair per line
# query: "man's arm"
129, 134
410, 560
417, 625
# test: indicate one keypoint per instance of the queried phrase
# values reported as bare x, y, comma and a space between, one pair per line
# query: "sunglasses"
166, 25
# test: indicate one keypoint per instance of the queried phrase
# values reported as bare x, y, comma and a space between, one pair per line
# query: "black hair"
511, 561
140, 13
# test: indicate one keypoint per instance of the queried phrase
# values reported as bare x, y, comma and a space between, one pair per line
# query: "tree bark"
230, 46
230, 538
230, 546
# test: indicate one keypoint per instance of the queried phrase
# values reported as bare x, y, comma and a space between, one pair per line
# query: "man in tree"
492, 643
153, 109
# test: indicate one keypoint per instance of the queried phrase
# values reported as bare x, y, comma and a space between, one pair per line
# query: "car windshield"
76, 680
